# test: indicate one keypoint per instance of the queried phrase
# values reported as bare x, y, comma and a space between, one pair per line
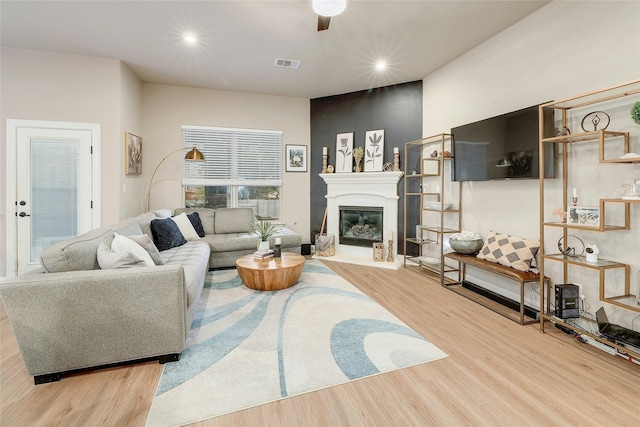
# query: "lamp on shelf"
193, 155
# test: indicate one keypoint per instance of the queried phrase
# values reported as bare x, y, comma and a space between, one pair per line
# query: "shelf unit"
619, 141
427, 184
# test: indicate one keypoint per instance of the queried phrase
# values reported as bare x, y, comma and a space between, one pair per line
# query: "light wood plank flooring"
498, 373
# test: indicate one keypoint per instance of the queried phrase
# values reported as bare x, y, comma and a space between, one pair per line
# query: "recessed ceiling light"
190, 38
381, 65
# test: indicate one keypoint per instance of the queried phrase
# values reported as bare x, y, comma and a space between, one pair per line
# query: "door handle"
23, 214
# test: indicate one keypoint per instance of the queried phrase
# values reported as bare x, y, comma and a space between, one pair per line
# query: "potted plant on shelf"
264, 230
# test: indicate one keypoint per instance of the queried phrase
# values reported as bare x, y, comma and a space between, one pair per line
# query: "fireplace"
360, 225
362, 209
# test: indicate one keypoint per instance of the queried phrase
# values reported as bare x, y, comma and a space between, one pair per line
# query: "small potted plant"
264, 230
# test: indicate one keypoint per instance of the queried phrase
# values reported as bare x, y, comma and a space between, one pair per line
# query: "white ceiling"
239, 41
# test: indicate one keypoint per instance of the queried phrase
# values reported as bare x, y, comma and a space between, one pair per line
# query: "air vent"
287, 63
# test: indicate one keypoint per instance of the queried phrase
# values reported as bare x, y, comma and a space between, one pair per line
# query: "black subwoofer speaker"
305, 249
567, 301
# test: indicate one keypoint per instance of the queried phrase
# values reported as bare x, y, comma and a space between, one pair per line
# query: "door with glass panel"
53, 189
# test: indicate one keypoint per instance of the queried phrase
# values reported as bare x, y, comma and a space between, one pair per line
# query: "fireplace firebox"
360, 225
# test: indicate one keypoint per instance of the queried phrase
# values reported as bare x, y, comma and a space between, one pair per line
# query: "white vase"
263, 246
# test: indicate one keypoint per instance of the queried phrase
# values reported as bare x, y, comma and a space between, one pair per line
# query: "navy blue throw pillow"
166, 234
197, 223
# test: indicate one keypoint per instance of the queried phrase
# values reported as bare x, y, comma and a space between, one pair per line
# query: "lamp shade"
329, 7
194, 155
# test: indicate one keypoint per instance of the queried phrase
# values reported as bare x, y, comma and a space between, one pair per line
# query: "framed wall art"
374, 149
133, 154
296, 158
344, 152
587, 216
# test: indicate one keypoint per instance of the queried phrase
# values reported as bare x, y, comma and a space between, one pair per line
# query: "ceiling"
239, 41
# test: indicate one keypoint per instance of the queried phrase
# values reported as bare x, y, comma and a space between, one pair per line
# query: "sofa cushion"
184, 224
134, 225
78, 253
148, 245
194, 217
129, 229
109, 259
231, 242
510, 251
233, 220
194, 259
124, 244
166, 234
162, 213
206, 215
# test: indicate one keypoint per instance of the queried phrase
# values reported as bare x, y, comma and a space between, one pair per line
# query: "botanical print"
344, 150
133, 161
373, 155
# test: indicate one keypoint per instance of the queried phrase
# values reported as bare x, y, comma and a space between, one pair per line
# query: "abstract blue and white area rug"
248, 348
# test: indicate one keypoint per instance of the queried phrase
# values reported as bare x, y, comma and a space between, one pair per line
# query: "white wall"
40, 85
165, 108
563, 49
131, 186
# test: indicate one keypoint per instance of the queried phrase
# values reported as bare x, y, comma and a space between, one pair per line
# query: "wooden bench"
510, 273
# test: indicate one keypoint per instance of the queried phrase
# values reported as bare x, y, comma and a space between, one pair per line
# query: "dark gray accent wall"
397, 109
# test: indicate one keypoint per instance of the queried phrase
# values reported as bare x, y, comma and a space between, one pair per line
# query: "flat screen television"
502, 147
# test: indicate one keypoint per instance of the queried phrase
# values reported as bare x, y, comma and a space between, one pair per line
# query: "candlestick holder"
324, 163
390, 254
396, 162
575, 201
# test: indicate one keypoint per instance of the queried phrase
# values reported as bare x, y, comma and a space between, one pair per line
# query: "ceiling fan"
326, 9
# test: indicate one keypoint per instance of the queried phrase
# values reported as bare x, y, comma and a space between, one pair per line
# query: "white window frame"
228, 166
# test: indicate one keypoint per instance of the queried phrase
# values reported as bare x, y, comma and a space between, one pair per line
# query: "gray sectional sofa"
72, 315
227, 232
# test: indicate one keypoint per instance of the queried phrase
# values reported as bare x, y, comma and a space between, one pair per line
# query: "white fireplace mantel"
367, 189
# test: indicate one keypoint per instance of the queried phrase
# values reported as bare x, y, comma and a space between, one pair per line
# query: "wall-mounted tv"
502, 147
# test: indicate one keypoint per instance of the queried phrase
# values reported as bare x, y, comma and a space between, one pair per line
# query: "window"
242, 168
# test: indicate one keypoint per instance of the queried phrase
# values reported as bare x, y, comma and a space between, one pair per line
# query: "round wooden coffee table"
271, 274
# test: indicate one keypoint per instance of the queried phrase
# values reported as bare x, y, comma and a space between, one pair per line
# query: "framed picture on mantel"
344, 152
374, 149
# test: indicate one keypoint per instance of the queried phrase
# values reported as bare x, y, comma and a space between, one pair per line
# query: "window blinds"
233, 156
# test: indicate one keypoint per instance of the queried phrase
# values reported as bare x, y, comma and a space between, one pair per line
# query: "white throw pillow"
124, 244
110, 259
185, 226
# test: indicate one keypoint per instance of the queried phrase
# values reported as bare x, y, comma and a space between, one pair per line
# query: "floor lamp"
193, 155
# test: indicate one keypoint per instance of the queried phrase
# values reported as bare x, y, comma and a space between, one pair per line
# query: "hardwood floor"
498, 373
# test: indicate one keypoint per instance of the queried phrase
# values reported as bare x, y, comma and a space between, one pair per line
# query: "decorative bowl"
466, 247
439, 206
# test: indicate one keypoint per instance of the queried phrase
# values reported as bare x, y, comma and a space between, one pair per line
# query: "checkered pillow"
511, 251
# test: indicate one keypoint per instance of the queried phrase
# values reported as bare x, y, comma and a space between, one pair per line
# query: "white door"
53, 189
